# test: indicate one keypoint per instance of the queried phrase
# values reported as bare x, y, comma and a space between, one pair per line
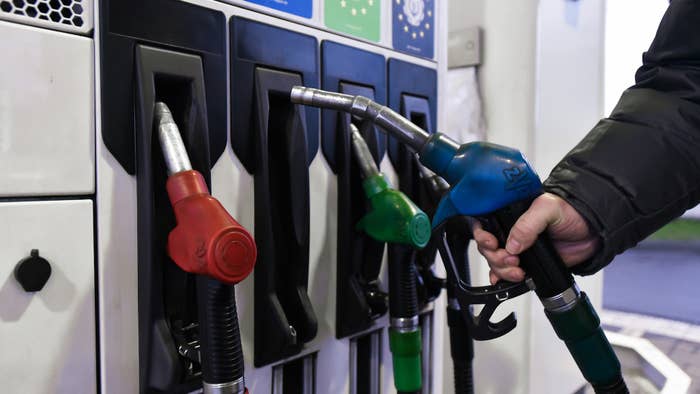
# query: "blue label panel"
295, 7
413, 27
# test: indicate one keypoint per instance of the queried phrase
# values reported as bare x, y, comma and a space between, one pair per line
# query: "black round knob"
33, 272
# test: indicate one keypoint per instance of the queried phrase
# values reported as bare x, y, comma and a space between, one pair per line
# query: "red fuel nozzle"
206, 240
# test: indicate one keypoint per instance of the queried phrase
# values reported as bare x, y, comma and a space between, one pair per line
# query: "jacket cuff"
582, 190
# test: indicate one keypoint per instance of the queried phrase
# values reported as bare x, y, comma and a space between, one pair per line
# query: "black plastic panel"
276, 141
168, 24
256, 44
365, 69
284, 318
412, 80
168, 310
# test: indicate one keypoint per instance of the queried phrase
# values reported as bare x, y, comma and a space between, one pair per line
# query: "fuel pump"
207, 241
495, 184
395, 218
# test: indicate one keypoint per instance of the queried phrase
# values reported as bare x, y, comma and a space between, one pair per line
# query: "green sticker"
359, 18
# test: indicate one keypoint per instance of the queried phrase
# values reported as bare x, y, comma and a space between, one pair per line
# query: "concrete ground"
679, 341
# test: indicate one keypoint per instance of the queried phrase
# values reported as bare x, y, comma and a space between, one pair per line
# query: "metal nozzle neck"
174, 152
394, 124
361, 152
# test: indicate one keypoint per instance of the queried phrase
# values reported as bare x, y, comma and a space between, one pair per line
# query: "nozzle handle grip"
541, 262
207, 239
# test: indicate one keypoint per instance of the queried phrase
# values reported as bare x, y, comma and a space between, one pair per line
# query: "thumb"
543, 212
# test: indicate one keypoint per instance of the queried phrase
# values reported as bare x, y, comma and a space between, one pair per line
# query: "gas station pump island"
168, 119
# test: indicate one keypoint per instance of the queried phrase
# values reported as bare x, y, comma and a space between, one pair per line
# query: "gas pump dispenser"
154, 108
167, 119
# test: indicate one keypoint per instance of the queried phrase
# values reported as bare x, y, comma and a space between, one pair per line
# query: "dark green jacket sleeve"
640, 168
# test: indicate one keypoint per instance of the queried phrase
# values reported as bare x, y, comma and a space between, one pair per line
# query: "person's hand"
568, 231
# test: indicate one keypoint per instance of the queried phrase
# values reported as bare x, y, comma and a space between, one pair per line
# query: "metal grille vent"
69, 14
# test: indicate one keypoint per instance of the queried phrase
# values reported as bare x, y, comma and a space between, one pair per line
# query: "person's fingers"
484, 238
493, 278
511, 274
511, 260
498, 258
545, 210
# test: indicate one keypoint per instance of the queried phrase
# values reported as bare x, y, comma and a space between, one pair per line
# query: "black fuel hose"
461, 342
221, 352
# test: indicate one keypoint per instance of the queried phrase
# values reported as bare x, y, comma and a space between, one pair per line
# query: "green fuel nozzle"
394, 217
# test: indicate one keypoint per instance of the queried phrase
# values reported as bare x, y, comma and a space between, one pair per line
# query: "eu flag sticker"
295, 7
413, 27
360, 18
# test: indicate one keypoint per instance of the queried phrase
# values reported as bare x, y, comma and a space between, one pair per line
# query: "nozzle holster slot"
123, 28
276, 141
359, 300
168, 303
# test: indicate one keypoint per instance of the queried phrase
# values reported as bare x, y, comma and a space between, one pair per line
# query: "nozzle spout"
362, 154
396, 125
174, 152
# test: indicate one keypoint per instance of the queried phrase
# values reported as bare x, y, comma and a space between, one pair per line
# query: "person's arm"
640, 168
635, 170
